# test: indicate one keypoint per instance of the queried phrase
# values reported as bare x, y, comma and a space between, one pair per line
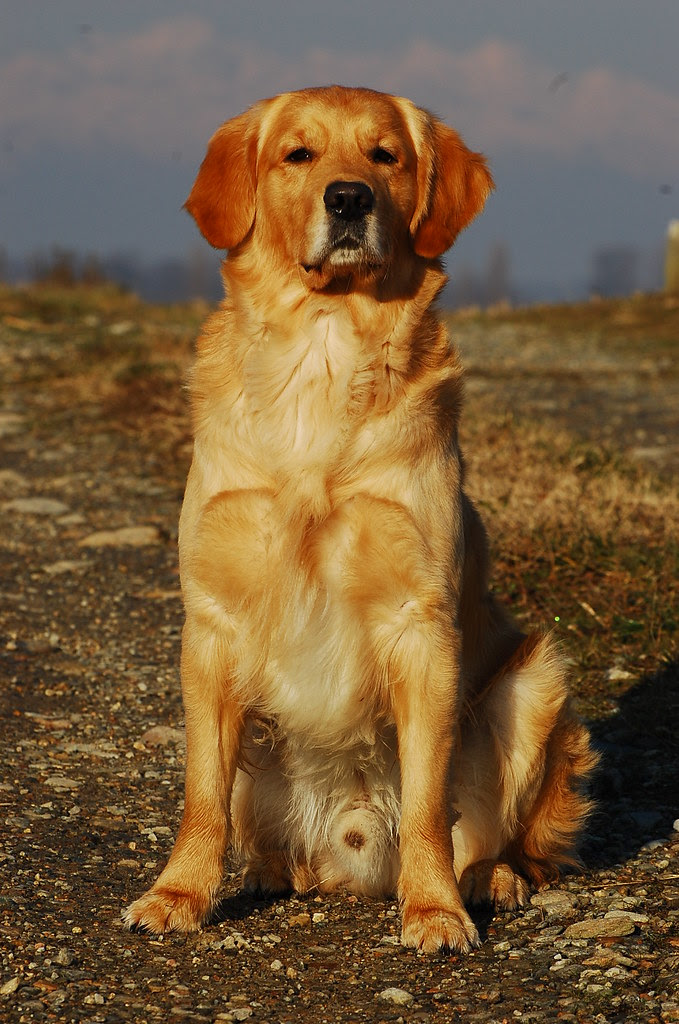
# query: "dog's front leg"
424, 701
183, 896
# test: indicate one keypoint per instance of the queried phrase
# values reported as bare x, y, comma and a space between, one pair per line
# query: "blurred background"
106, 109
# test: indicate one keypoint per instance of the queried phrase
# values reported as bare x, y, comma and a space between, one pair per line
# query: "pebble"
37, 506
629, 914
601, 927
120, 328
10, 986
162, 735
618, 675
554, 902
10, 423
396, 995
66, 565
126, 536
10, 480
61, 782
299, 919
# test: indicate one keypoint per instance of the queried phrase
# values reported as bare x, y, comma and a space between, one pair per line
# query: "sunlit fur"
360, 713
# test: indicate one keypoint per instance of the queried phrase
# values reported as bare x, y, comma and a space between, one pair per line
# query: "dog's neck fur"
385, 312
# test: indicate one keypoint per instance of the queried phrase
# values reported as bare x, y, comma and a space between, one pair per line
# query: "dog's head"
337, 183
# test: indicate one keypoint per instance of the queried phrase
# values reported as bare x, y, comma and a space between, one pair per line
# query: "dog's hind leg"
523, 760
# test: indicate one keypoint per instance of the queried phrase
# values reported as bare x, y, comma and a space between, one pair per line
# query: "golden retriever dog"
361, 714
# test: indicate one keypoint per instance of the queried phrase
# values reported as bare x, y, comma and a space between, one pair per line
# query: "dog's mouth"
346, 256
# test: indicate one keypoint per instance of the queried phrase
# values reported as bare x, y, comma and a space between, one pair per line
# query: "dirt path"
94, 447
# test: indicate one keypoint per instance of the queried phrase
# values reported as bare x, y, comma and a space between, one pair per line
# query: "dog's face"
337, 183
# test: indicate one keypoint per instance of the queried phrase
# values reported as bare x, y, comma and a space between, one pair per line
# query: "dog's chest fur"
289, 474
303, 395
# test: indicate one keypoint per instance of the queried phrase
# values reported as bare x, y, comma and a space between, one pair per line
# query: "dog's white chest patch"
298, 394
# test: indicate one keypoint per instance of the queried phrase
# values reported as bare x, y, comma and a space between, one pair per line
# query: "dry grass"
583, 540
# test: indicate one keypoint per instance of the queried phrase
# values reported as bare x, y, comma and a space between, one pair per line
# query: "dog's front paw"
431, 928
493, 882
163, 910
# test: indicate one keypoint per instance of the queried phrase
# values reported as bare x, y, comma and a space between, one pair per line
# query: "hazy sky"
105, 110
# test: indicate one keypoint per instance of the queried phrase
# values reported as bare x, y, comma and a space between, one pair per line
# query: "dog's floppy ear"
453, 185
222, 200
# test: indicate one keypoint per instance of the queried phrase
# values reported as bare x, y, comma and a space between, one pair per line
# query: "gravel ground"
92, 754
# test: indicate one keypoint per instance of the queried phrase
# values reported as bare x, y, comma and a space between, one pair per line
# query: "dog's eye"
299, 156
380, 155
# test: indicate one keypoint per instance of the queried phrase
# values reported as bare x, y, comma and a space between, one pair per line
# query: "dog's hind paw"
267, 875
494, 882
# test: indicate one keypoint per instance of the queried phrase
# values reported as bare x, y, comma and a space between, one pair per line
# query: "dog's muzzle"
350, 239
348, 206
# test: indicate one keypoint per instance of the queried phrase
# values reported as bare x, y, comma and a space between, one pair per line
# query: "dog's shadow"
637, 782
240, 905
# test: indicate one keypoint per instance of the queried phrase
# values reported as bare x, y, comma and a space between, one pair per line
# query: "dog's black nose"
349, 200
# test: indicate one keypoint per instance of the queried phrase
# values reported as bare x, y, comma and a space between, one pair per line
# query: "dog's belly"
311, 612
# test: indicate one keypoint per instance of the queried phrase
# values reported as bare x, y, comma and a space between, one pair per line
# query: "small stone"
599, 928
299, 920
276, 965
10, 423
554, 902
631, 915
9, 479
227, 944
61, 782
10, 986
618, 675
126, 536
675, 825
162, 736
318, 917
37, 506
65, 957
120, 328
65, 565
399, 996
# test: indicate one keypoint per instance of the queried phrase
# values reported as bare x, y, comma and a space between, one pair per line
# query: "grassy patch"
584, 541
